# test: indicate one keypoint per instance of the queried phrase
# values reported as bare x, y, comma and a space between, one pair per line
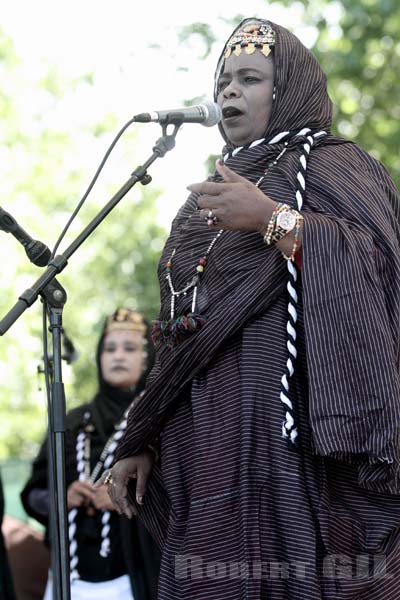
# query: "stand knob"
146, 179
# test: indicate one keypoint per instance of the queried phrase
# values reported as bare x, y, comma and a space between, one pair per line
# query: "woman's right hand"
134, 467
80, 493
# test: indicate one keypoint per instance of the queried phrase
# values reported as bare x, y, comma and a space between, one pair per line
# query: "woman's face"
122, 358
245, 90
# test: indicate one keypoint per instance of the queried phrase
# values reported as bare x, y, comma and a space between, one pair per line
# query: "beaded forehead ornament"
125, 319
251, 36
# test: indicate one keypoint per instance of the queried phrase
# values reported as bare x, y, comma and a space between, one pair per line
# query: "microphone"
37, 252
207, 114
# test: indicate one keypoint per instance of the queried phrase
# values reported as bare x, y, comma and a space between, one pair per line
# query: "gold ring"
108, 478
211, 219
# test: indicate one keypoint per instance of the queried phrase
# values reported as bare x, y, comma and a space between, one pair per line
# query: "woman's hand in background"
80, 493
102, 500
84, 494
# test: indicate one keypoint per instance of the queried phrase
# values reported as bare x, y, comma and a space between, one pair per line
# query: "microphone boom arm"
58, 264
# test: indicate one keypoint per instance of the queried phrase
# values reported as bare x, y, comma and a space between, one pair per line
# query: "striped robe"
239, 513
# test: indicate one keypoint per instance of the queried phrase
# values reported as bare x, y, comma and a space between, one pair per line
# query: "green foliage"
203, 31
210, 162
358, 47
360, 54
119, 270
44, 171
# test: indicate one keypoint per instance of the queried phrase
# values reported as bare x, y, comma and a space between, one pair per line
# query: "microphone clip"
167, 141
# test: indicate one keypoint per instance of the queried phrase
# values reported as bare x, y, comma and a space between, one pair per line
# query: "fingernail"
139, 499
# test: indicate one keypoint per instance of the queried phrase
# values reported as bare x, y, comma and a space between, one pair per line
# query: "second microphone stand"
52, 293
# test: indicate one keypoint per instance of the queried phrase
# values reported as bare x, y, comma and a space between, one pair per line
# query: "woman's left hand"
102, 500
236, 203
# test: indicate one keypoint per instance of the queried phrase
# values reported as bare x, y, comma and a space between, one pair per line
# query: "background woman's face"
245, 90
122, 358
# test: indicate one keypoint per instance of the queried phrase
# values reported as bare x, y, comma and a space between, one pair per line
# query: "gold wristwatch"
285, 223
282, 221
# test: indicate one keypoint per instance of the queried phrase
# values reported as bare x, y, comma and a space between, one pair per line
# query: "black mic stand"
52, 293
55, 298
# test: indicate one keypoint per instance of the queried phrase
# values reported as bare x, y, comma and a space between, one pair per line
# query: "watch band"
282, 221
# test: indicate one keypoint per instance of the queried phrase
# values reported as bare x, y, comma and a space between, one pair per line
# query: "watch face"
286, 220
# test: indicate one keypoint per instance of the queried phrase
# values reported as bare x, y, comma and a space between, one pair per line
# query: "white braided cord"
289, 428
80, 467
105, 520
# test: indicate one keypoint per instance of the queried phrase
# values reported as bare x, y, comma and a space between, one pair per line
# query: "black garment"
6, 586
132, 549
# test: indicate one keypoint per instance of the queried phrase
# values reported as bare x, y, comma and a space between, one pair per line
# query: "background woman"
276, 395
110, 557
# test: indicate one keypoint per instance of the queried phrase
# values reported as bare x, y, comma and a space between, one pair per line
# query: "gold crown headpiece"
256, 35
126, 319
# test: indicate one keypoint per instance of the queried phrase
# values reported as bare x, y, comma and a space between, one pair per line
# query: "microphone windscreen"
214, 113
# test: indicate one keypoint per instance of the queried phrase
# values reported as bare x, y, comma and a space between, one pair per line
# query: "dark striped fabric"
240, 514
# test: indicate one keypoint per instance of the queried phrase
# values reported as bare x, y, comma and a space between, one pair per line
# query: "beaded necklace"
174, 330
193, 284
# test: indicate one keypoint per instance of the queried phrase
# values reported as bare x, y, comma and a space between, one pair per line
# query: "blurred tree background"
358, 46
116, 266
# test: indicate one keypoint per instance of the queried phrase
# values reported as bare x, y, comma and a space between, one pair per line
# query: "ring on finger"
211, 218
209, 215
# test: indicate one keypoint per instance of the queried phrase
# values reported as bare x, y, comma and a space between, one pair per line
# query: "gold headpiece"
256, 35
126, 319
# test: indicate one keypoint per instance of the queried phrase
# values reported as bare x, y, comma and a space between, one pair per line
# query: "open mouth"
231, 112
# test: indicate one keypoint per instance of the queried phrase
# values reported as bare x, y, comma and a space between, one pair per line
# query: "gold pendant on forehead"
266, 50
250, 48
